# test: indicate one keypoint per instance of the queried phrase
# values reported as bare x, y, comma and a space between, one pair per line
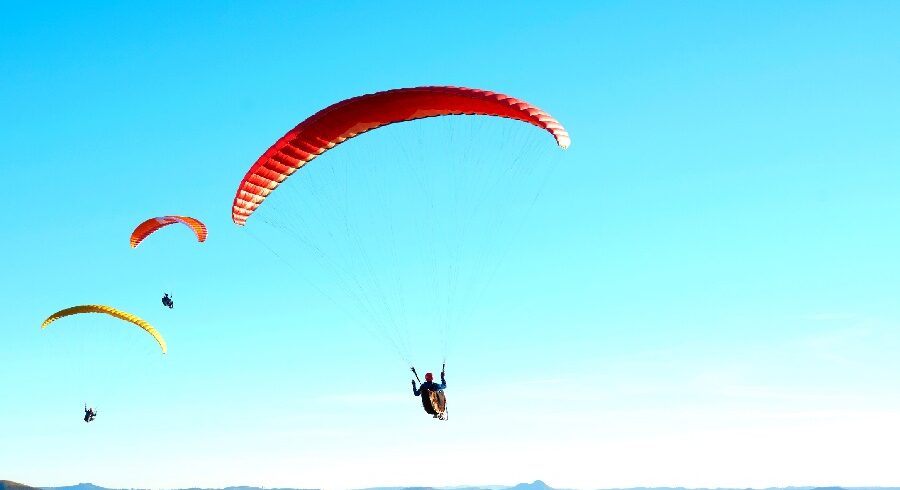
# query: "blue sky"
705, 294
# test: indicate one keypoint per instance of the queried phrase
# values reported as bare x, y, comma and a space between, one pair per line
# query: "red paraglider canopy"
346, 119
144, 229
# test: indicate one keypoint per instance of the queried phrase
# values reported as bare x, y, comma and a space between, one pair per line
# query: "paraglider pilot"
167, 301
425, 391
89, 413
429, 384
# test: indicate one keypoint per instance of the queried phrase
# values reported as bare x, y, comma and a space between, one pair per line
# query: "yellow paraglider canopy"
128, 317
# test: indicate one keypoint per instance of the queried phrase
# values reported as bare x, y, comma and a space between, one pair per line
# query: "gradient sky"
707, 293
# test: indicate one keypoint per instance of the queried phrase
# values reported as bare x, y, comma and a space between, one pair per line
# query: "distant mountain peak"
536, 485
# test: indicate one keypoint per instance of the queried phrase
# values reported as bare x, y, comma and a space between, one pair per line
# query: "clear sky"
704, 294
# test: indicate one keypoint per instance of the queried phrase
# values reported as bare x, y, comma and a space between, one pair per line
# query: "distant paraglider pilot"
167, 301
432, 394
89, 413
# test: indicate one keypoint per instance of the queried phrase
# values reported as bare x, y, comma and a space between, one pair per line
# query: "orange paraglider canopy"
346, 119
146, 228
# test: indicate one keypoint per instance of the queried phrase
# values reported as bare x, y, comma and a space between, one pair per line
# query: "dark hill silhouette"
11, 485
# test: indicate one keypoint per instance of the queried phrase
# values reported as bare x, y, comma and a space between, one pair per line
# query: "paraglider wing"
144, 229
128, 317
346, 119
